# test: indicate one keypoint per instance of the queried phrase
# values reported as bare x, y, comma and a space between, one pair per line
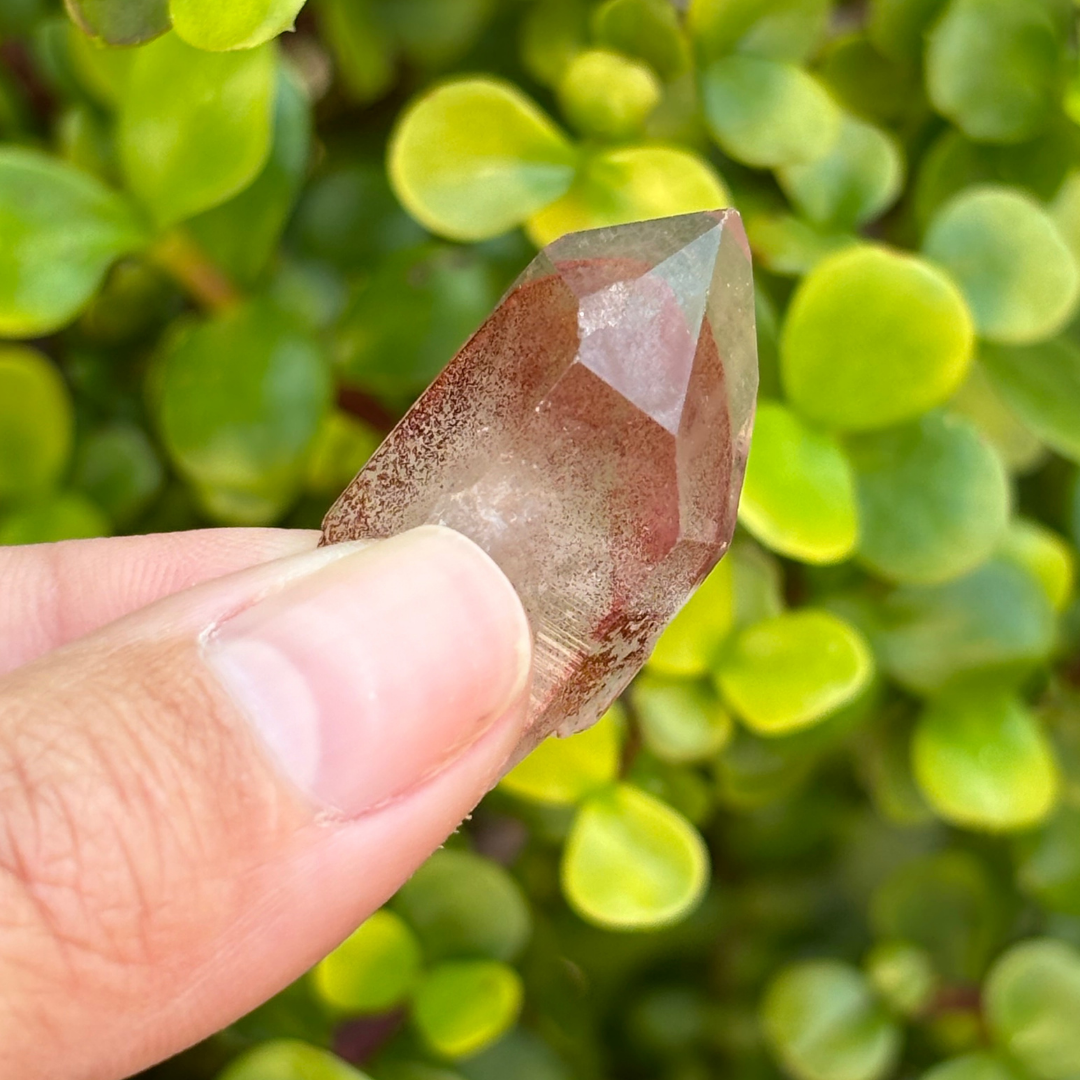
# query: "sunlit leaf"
239, 24
475, 157
792, 671
608, 95
874, 337
286, 1059
979, 1065
632, 863
1045, 555
195, 127
799, 493
693, 640
903, 975
681, 720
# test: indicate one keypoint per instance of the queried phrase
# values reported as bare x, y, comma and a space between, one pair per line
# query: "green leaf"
462, 1007
632, 863
983, 762
867, 82
195, 127
341, 448
1048, 862
824, 1023
461, 904
66, 516
118, 469
553, 32
861, 176
1045, 555
898, 27
792, 671
753, 772
121, 22
104, 71
60, 229
789, 246
1005, 252
410, 316
757, 584
563, 772
995, 620
873, 337
778, 29
37, 423
799, 494
608, 95
630, 183
374, 970
287, 1059
903, 975
766, 114
519, 1055
435, 33
1032, 1002
980, 1065
647, 30
361, 46
692, 641
240, 24
475, 157
933, 499
240, 401
978, 399
994, 67
947, 903
681, 720
241, 235
1041, 384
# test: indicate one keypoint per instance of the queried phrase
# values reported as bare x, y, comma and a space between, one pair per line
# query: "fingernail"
379, 668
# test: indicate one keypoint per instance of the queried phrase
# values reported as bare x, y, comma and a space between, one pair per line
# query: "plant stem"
180, 256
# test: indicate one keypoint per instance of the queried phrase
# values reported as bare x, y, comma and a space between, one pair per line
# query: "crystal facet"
591, 436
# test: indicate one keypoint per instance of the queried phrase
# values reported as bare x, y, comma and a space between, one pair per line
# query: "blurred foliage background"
833, 830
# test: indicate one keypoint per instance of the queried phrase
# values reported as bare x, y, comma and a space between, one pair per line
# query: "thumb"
200, 800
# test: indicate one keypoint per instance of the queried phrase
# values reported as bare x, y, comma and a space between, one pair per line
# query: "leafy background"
833, 831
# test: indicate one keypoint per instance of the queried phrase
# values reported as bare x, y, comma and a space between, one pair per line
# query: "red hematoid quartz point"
591, 436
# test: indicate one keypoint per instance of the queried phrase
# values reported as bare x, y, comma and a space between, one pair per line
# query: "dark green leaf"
121, 22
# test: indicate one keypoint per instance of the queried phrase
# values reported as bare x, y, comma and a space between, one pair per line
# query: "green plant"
833, 830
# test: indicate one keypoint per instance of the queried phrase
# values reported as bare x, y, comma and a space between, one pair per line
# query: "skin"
167, 861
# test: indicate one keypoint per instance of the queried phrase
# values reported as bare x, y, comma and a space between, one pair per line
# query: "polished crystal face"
591, 436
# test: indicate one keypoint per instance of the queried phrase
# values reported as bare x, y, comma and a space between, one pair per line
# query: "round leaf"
778, 29
119, 470
903, 974
121, 22
630, 184
60, 229
563, 772
240, 401
983, 762
861, 176
766, 114
1041, 384
995, 619
464, 1006
67, 516
287, 1059
872, 338
608, 95
993, 67
474, 158
195, 127
790, 672
461, 904
682, 720
36, 423
933, 499
632, 863
374, 969
239, 24
1032, 1002
1048, 863
1005, 252
824, 1023
799, 494
692, 641
648, 30
1045, 555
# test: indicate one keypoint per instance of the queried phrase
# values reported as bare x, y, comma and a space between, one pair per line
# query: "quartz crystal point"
591, 436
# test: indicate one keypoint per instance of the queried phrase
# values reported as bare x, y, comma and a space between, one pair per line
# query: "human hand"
213, 767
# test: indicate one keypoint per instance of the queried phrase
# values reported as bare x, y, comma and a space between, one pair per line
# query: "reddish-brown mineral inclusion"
591, 436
